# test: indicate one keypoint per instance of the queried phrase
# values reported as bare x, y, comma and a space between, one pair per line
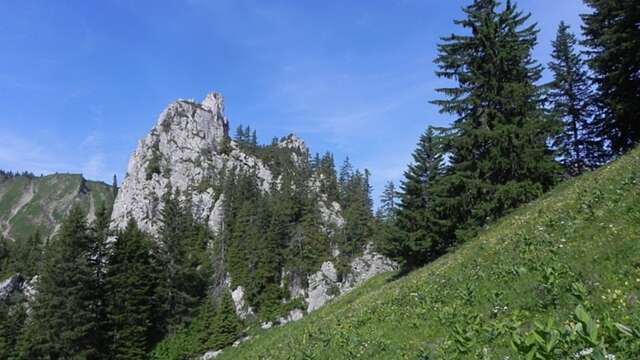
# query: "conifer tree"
132, 281
570, 96
612, 36
26, 255
114, 186
182, 248
388, 202
12, 320
416, 238
226, 327
63, 320
498, 142
98, 261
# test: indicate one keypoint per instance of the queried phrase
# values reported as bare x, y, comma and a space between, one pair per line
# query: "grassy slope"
53, 196
526, 267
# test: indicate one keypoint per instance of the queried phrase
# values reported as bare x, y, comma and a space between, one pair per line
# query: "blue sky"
82, 81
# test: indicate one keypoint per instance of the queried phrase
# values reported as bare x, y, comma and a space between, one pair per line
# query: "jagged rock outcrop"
17, 285
324, 285
189, 150
9, 286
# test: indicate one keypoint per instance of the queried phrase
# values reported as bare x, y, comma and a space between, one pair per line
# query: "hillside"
572, 257
29, 204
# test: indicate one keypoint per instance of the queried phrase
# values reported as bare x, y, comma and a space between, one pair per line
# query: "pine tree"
182, 247
388, 202
114, 186
132, 282
226, 327
346, 172
63, 320
498, 143
98, 261
415, 239
12, 320
26, 255
570, 95
612, 36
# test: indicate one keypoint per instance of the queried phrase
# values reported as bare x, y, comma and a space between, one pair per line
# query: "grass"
521, 287
53, 197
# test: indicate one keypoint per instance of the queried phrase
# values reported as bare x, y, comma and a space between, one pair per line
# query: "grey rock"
184, 152
266, 325
10, 286
324, 284
211, 355
293, 315
243, 310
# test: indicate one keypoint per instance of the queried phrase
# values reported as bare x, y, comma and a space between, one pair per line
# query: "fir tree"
498, 143
12, 320
26, 255
612, 36
388, 202
132, 282
63, 320
416, 239
99, 259
114, 186
183, 250
570, 95
226, 326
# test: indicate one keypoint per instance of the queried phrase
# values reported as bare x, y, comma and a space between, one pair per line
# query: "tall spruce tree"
63, 319
388, 202
183, 246
132, 282
578, 147
226, 325
100, 232
415, 238
612, 36
498, 142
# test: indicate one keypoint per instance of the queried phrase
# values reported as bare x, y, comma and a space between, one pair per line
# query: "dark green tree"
497, 144
63, 321
12, 320
388, 202
416, 238
26, 255
183, 253
612, 36
114, 186
226, 326
570, 95
99, 258
131, 282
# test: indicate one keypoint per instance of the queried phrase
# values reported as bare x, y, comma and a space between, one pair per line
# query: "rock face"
189, 150
9, 286
17, 285
324, 284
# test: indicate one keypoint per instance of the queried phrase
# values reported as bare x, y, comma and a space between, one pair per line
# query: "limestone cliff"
189, 150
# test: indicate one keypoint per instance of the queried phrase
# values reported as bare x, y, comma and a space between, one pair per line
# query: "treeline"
101, 299
512, 139
11, 174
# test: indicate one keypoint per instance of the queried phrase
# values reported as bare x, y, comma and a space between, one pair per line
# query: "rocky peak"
214, 102
184, 152
295, 143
